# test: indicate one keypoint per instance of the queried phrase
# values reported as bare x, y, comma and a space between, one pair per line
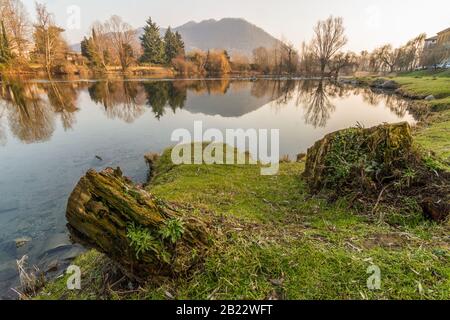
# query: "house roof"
443, 31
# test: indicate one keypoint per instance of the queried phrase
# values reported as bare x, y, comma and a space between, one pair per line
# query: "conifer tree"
170, 46
152, 44
179, 44
90, 52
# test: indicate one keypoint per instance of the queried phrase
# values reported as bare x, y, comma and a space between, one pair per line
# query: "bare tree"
364, 61
123, 40
261, 59
17, 24
390, 56
289, 58
50, 47
329, 38
308, 62
341, 61
102, 42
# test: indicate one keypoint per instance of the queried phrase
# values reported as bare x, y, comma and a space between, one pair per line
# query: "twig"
379, 198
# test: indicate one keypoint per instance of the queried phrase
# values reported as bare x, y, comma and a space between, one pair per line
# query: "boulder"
301, 157
430, 98
377, 83
390, 85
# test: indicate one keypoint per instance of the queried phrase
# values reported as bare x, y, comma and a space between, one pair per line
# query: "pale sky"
368, 23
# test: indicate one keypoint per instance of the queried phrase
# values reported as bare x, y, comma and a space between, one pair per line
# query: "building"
75, 57
431, 42
443, 38
437, 49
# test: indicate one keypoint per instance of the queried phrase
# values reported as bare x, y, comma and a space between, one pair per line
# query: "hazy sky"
368, 22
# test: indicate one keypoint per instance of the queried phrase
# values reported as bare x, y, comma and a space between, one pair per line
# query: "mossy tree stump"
143, 234
370, 154
378, 165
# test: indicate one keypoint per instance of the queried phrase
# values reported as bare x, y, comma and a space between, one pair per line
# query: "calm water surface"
51, 133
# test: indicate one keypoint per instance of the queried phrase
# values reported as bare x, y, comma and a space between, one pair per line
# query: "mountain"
235, 35
232, 34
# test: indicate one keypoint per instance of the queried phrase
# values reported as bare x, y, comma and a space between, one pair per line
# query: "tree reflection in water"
28, 118
30, 109
398, 105
123, 100
63, 99
3, 138
315, 98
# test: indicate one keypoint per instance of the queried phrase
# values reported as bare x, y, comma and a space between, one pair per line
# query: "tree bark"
106, 207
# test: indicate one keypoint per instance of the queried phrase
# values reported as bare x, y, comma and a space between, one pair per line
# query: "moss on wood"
145, 235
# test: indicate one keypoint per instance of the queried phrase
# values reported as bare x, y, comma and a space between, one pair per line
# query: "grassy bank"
280, 243
433, 133
425, 83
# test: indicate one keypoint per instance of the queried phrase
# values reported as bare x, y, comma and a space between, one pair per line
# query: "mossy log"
143, 234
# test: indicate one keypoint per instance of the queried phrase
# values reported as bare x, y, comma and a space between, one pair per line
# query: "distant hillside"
232, 34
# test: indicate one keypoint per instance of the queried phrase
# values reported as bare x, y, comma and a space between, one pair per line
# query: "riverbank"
431, 86
279, 243
431, 91
149, 71
282, 243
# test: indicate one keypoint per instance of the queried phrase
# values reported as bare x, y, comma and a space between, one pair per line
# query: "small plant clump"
141, 240
172, 230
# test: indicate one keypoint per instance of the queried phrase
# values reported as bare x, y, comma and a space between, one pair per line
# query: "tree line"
114, 43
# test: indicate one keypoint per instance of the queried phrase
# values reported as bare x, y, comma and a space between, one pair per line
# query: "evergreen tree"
5, 49
89, 49
179, 44
85, 48
152, 44
170, 46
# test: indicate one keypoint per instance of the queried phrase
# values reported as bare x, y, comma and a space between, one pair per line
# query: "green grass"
427, 73
439, 87
433, 134
436, 136
421, 84
425, 83
284, 244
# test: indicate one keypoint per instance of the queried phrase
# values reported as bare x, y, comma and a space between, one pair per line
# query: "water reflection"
395, 103
31, 110
123, 100
29, 119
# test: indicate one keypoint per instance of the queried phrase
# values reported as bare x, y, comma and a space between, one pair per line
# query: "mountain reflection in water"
30, 109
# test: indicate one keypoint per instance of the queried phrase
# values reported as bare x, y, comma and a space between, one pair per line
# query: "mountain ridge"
236, 35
